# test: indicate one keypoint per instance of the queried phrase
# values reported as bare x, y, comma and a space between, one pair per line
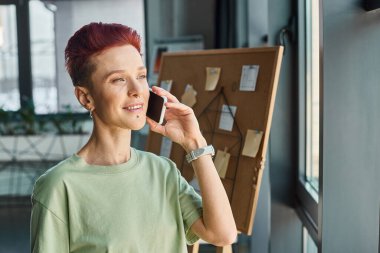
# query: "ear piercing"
91, 112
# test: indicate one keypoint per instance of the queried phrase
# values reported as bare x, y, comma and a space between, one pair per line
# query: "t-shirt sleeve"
49, 233
191, 208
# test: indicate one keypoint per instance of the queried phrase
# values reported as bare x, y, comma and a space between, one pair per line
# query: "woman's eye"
118, 80
141, 77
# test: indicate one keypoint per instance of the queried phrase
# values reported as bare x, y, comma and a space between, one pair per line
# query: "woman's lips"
134, 107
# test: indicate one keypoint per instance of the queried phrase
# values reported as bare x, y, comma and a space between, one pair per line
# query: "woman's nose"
135, 89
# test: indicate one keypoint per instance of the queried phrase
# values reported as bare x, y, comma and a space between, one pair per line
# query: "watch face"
200, 151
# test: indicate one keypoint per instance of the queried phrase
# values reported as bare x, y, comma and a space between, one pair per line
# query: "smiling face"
119, 91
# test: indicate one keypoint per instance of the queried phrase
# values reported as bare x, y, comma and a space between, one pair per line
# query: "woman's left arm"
217, 224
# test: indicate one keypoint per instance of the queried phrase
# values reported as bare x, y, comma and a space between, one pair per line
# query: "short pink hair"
92, 39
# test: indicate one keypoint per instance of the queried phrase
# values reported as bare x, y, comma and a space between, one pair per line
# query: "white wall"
175, 18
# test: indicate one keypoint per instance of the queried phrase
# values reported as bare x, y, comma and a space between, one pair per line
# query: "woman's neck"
107, 147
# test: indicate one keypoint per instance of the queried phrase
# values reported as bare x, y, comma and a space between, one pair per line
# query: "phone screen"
156, 107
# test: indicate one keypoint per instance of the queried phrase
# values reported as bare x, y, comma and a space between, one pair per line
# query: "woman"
110, 197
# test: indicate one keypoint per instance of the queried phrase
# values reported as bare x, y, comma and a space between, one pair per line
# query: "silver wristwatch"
195, 154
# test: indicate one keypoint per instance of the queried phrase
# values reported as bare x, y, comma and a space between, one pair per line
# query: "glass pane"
312, 93
42, 38
9, 91
309, 245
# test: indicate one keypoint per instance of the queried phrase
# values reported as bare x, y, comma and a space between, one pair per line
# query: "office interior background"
320, 190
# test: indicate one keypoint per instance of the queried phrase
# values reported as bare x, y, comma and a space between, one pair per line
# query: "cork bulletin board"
234, 118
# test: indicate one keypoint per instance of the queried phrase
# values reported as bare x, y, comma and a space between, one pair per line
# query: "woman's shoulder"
154, 160
53, 178
146, 156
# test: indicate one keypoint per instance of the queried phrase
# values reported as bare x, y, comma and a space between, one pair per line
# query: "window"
308, 188
42, 42
9, 88
312, 93
308, 245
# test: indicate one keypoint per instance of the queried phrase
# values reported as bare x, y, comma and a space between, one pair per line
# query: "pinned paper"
221, 161
248, 78
166, 85
166, 147
189, 97
252, 143
227, 117
212, 78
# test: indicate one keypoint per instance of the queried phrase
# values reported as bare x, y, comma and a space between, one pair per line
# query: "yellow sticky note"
212, 78
252, 142
189, 97
221, 161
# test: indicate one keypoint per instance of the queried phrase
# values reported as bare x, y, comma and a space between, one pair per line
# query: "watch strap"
195, 154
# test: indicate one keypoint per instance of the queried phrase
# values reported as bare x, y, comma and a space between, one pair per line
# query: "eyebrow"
141, 68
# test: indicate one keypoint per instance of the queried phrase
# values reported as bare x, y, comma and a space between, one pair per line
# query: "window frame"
24, 56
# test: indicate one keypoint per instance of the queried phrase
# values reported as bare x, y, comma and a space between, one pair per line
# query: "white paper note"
248, 78
226, 119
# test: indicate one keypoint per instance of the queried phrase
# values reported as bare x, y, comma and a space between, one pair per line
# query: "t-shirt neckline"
108, 169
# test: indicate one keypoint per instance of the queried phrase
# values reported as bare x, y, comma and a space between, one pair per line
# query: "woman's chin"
138, 125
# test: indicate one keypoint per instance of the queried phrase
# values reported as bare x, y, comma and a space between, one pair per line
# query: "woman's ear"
84, 97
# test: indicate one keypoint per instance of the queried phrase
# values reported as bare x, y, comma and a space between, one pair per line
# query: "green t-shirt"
143, 205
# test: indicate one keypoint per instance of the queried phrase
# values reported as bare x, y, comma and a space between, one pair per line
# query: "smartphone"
156, 107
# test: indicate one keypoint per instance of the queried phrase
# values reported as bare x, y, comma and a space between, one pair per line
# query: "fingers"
178, 111
162, 92
154, 126
178, 106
